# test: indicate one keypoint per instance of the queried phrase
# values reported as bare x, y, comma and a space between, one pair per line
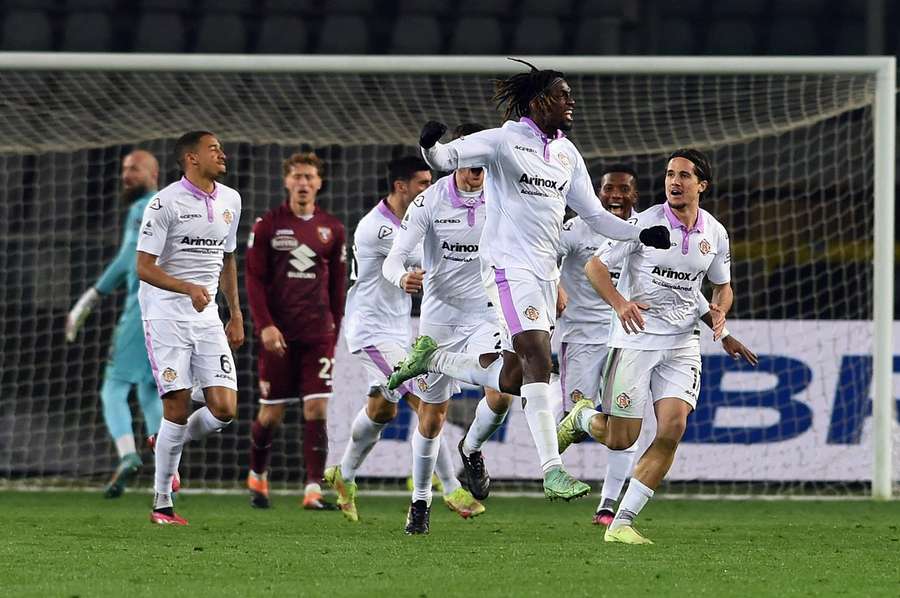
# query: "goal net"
793, 181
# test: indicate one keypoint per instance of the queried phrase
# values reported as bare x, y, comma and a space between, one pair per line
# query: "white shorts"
186, 353
522, 300
379, 361
633, 376
581, 371
476, 338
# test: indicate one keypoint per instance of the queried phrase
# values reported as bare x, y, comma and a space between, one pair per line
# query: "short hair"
467, 129
516, 93
702, 167
403, 169
188, 143
307, 158
620, 168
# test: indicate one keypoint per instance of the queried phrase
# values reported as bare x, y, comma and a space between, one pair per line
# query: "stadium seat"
417, 35
549, 8
602, 8
477, 35
731, 37
165, 5
293, 7
241, 7
739, 8
221, 34
87, 32
599, 36
792, 36
343, 35
27, 30
354, 7
538, 35
282, 34
30, 4
87, 5
850, 38
495, 8
801, 8
159, 32
677, 38
423, 7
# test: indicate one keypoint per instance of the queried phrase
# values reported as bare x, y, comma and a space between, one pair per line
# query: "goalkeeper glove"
656, 236
431, 133
80, 312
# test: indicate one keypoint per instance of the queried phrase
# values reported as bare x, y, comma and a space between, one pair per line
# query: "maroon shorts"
303, 372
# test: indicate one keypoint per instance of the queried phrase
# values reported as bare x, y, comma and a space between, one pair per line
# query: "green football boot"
346, 492
415, 364
568, 432
128, 467
559, 484
461, 502
625, 534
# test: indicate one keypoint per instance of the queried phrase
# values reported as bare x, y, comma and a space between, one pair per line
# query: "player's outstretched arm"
730, 343
473, 150
412, 231
234, 329
629, 312
148, 271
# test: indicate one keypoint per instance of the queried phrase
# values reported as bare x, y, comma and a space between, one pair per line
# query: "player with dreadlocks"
533, 171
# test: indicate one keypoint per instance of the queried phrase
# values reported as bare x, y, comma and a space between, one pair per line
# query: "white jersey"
376, 310
586, 317
447, 224
189, 231
668, 281
530, 179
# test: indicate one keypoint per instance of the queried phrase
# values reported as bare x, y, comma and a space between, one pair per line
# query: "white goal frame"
884, 125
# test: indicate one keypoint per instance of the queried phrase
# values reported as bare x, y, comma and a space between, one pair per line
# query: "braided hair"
516, 93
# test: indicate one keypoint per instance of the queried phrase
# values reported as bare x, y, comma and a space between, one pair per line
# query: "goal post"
803, 119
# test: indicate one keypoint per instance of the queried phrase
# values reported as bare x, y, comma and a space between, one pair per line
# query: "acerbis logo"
675, 274
459, 247
447, 221
201, 242
522, 148
385, 231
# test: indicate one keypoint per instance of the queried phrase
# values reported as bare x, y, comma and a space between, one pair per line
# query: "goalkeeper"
127, 364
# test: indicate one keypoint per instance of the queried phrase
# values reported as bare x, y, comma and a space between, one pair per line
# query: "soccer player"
655, 342
533, 171
447, 220
185, 253
127, 364
583, 327
296, 284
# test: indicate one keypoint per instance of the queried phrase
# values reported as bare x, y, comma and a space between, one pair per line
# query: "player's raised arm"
475, 150
409, 238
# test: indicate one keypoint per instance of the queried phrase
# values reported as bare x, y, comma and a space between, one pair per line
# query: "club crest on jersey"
564, 160
705, 247
169, 375
228, 216
421, 383
623, 401
324, 234
576, 395
532, 313
385, 231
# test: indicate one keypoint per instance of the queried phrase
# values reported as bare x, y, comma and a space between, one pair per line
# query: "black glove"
656, 236
431, 133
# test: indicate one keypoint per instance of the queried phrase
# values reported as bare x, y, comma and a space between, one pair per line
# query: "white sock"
364, 433
618, 469
169, 442
425, 452
125, 445
541, 423
635, 498
444, 468
584, 420
467, 368
486, 423
202, 423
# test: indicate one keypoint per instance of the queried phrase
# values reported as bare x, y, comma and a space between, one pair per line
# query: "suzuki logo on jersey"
302, 260
675, 274
201, 242
459, 247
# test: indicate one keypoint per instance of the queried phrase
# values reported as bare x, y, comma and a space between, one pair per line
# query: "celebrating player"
377, 332
655, 342
583, 328
185, 253
447, 220
533, 171
127, 364
296, 282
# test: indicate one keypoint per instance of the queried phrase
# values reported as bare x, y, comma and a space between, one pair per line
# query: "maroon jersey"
297, 274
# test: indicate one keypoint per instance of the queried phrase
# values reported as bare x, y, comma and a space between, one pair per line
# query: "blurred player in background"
583, 327
127, 364
185, 253
377, 333
296, 284
533, 171
447, 220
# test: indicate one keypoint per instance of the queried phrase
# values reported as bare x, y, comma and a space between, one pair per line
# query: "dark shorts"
303, 372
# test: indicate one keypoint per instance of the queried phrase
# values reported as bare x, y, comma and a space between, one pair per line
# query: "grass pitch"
78, 544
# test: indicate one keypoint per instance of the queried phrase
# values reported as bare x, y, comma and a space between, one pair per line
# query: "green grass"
77, 544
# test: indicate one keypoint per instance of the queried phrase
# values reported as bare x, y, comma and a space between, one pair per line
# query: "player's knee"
224, 412
431, 425
670, 430
380, 410
315, 409
496, 400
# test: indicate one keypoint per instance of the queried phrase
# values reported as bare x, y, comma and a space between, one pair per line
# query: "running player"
185, 253
533, 171
447, 220
127, 365
296, 284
